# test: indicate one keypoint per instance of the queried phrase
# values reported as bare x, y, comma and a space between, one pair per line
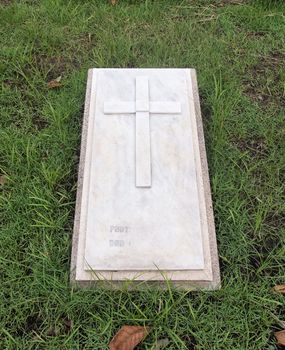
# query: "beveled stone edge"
132, 285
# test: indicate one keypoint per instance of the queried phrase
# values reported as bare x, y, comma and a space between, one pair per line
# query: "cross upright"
142, 107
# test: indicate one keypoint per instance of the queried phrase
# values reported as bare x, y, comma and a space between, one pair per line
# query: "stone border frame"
132, 285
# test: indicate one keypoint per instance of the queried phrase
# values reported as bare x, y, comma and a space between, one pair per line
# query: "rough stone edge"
215, 284
134, 285
80, 181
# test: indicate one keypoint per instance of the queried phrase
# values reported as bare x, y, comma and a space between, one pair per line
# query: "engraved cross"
142, 107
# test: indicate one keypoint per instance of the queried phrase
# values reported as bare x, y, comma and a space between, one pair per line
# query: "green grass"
239, 52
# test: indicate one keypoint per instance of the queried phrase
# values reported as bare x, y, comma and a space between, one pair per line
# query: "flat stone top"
142, 210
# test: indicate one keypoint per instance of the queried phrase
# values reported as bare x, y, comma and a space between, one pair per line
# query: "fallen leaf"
280, 288
56, 83
128, 337
280, 336
3, 180
113, 2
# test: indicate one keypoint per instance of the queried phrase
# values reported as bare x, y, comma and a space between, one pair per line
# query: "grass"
238, 48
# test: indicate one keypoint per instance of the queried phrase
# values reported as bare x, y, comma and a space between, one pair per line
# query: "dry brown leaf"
128, 337
280, 288
113, 2
3, 180
56, 83
280, 336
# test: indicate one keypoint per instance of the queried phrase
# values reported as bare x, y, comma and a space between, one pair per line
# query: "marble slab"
143, 210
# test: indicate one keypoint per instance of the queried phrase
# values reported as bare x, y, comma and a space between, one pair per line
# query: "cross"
142, 107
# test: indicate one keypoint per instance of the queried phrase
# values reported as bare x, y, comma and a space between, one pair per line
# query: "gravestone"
143, 209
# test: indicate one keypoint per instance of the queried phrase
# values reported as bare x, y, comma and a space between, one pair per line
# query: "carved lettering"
116, 243
119, 229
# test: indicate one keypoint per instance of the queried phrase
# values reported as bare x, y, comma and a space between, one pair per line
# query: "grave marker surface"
143, 207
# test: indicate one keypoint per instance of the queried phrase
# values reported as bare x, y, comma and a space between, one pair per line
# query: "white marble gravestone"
143, 209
